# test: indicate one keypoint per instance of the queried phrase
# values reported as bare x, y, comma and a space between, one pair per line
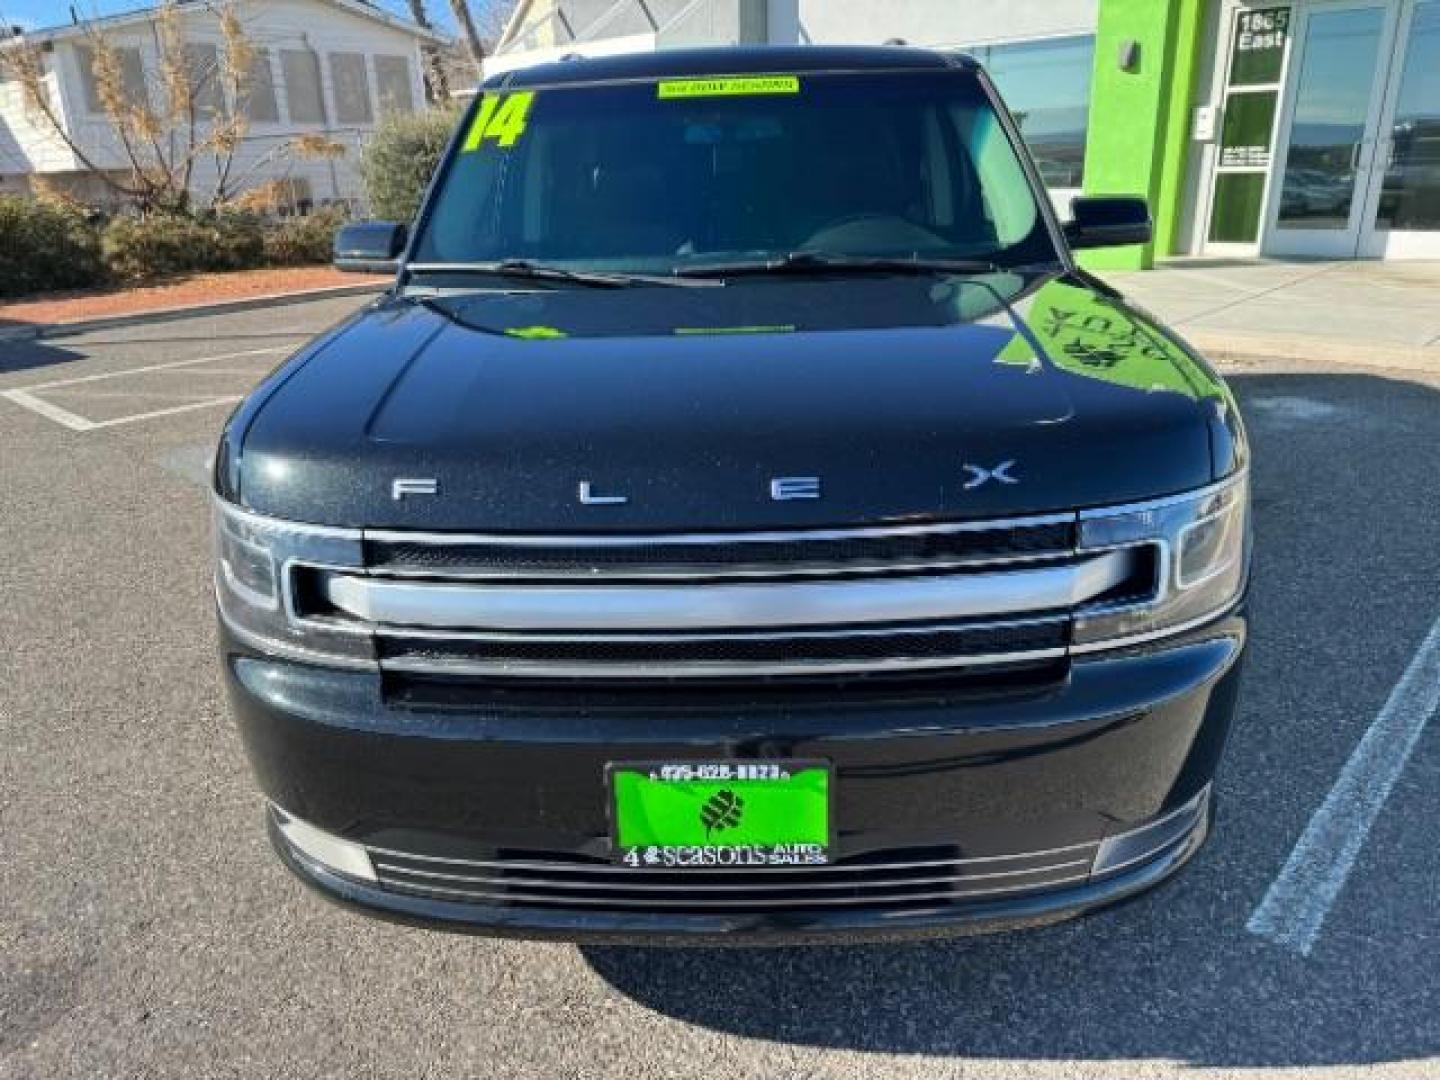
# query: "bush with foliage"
164, 245
400, 158
46, 246
303, 241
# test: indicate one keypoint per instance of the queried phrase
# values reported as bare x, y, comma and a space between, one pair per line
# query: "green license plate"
708, 814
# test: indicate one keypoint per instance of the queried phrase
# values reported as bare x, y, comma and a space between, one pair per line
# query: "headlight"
255, 585
1202, 546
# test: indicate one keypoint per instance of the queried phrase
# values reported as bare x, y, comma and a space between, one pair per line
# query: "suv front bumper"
955, 811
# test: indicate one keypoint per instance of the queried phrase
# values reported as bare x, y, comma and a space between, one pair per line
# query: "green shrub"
239, 241
45, 246
303, 241
400, 158
165, 245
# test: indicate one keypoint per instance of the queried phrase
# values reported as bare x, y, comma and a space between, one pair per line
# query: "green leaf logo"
721, 811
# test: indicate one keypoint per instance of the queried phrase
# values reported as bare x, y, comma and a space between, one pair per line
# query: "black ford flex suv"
741, 518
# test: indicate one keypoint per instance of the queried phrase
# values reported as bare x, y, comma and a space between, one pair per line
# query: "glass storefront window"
1332, 104
1235, 218
1259, 40
1410, 198
1246, 133
1046, 84
1258, 55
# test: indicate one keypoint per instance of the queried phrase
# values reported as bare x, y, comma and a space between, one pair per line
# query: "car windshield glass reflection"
660, 176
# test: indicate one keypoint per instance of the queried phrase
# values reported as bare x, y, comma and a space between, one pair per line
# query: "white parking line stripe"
63, 417
1294, 908
107, 395
154, 367
117, 421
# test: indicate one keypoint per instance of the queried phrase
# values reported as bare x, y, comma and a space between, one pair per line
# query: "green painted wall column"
1139, 129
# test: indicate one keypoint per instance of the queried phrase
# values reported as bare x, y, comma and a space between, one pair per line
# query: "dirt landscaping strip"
92, 309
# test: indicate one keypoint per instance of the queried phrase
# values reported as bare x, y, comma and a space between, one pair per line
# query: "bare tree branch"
437, 85
182, 110
469, 34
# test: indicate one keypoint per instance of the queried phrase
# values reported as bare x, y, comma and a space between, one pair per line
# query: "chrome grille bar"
847, 602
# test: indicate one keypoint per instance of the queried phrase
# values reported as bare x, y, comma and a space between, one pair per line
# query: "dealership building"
1309, 128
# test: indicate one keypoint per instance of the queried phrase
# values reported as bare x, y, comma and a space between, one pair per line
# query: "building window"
202, 64
257, 91
351, 84
392, 83
132, 77
1046, 84
303, 95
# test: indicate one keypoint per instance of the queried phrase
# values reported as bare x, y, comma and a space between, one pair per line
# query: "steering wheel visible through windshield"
664, 175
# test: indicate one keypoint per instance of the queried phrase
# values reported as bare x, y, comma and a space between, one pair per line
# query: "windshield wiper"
524, 268
818, 262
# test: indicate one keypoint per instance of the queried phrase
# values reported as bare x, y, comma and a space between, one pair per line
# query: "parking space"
130, 395
145, 929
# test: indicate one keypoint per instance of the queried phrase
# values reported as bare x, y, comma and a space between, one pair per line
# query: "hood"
903, 397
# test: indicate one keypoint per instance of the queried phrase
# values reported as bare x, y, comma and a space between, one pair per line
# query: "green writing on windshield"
729, 86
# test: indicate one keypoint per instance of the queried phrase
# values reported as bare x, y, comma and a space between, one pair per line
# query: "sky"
37, 13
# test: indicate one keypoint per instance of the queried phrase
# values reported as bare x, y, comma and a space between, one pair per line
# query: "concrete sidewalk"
1368, 313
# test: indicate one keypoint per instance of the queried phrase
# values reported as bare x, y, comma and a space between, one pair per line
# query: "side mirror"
1108, 221
370, 247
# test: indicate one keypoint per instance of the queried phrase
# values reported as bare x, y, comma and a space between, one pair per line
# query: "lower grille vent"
780, 649
889, 880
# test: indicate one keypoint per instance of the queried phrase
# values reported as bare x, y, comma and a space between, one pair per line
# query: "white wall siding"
28, 142
274, 26
930, 22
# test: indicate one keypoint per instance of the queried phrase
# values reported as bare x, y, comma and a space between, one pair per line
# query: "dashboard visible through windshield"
669, 175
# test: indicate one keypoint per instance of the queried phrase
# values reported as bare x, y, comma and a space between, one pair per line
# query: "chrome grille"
887, 880
739, 554
721, 606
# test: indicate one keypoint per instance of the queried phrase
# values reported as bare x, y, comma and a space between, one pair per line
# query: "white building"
326, 68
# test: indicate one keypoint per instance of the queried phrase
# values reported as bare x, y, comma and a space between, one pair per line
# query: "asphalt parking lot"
145, 928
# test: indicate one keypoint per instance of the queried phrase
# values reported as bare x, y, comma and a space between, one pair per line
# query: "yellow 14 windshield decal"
500, 120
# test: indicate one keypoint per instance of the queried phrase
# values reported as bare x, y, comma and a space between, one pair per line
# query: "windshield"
673, 174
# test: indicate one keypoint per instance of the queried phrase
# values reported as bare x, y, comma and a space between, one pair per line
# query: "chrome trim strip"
1152, 635
622, 885
413, 634
827, 868
707, 572
648, 607
716, 669
802, 902
1153, 853
772, 536
1194, 810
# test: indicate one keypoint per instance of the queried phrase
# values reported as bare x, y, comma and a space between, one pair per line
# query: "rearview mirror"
1108, 221
370, 247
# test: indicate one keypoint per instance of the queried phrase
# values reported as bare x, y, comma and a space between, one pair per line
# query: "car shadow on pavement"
23, 354
1346, 471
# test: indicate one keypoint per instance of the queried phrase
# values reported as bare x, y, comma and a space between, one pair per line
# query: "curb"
1227, 348
158, 315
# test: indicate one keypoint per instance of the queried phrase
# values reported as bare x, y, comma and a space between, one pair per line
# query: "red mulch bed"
66, 307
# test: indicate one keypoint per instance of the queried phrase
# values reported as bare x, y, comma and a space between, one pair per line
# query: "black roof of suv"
734, 61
